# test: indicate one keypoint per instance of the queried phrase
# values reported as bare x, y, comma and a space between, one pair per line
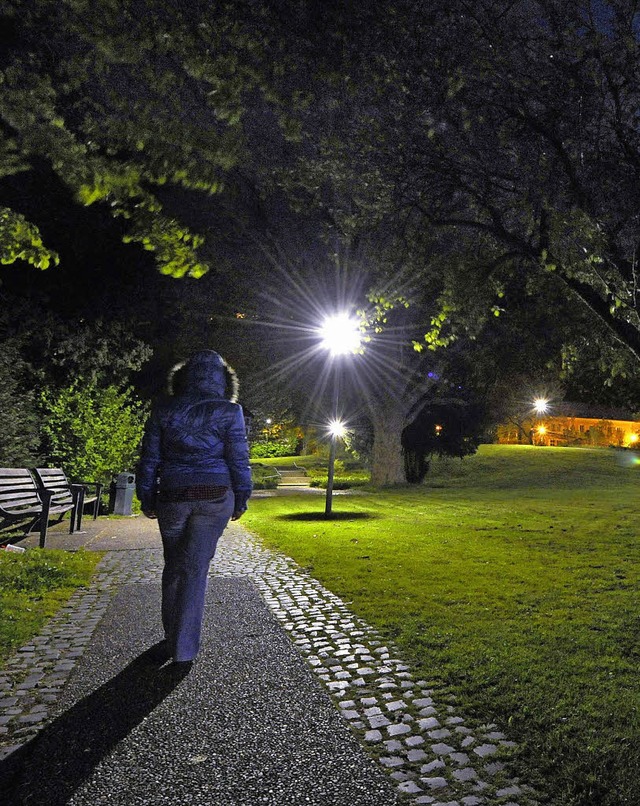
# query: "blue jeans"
190, 531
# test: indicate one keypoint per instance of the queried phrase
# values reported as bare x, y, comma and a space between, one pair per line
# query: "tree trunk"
387, 462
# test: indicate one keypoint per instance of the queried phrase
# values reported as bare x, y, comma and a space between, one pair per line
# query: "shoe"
179, 668
159, 653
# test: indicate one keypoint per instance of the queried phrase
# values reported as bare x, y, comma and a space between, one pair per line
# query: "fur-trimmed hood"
205, 374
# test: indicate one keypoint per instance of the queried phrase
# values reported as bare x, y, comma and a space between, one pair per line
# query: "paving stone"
438, 764
442, 749
485, 750
416, 755
392, 761
423, 702
442, 733
398, 730
465, 774
409, 788
393, 745
435, 783
378, 721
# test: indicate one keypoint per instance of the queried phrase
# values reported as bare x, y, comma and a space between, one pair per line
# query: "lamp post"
337, 431
340, 336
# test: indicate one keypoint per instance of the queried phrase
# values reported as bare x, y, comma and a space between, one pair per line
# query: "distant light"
337, 429
541, 405
633, 438
438, 429
268, 421
341, 334
542, 429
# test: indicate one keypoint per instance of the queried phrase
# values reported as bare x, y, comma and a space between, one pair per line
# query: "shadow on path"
49, 769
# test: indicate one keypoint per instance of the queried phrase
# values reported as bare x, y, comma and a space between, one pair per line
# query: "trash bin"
123, 486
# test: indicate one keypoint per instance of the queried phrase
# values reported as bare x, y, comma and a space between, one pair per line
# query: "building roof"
590, 411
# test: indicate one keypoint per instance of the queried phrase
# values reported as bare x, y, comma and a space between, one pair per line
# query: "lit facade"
573, 424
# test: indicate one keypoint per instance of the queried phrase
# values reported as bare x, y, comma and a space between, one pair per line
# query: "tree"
20, 435
123, 104
513, 125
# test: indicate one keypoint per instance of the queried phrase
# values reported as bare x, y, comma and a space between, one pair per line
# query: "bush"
91, 431
344, 478
268, 450
264, 478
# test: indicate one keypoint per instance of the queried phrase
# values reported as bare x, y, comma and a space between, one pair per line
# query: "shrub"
92, 431
267, 450
264, 478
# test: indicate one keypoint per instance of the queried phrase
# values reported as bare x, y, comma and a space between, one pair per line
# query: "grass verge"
512, 578
33, 586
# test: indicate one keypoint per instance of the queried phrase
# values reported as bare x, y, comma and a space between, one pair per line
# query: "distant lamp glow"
341, 334
438, 429
337, 429
633, 439
541, 429
541, 405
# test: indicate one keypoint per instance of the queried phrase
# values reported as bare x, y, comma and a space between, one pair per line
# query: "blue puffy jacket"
198, 437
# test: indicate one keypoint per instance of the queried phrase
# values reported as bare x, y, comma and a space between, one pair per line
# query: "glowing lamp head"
541, 429
341, 334
337, 429
541, 405
633, 439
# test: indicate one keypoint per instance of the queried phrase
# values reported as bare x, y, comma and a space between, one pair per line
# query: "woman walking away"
193, 475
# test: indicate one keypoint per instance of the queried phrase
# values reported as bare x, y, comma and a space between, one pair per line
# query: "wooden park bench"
82, 494
22, 502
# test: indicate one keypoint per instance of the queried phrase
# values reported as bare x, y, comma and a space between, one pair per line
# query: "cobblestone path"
424, 745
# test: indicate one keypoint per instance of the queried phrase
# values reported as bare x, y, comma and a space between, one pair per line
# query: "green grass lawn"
512, 579
33, 586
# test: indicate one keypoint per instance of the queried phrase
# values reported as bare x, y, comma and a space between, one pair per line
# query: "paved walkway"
293, 700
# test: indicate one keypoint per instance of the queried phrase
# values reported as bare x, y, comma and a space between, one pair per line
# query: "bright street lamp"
341, 334
337, 429
541, 405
